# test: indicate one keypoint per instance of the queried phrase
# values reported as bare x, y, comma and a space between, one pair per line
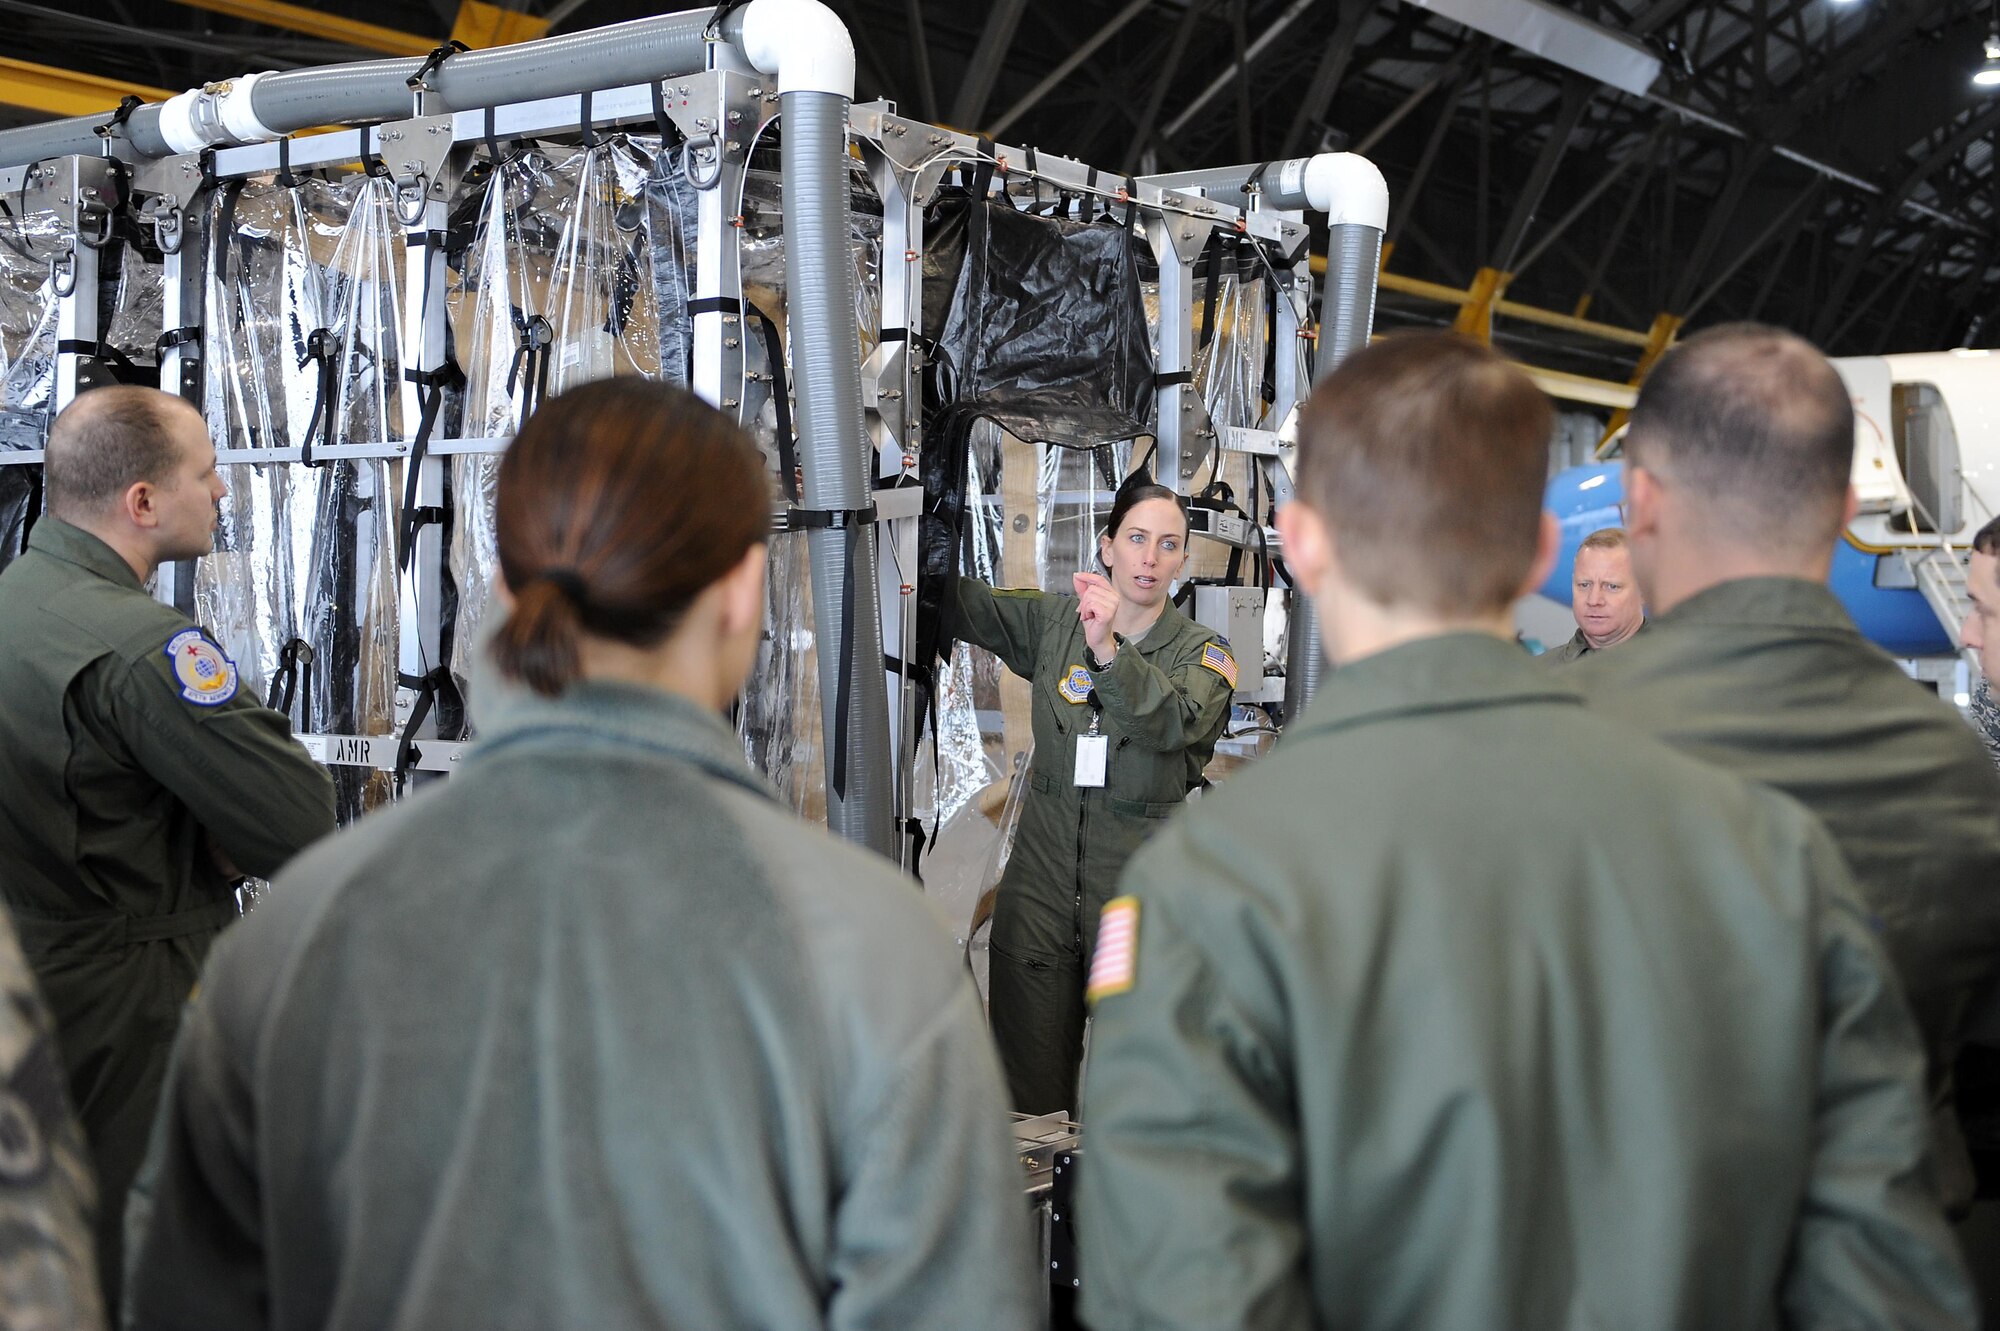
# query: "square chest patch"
1076, 685
1217, 658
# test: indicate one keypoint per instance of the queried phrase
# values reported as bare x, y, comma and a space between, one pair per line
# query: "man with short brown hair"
1604, 597
1469, 1009
1737, 489
138, 776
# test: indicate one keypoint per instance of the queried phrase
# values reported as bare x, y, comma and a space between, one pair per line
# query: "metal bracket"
721, 112
418, 153
882, 377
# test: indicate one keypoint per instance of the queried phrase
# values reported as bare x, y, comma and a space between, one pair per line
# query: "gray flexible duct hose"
610, 57
1347, 317
833, 449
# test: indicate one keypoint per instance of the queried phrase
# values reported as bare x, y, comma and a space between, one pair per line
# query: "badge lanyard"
1093, 748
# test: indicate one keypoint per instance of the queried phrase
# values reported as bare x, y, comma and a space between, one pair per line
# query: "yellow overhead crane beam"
479, 25
64, 92
1486, 297
319, 23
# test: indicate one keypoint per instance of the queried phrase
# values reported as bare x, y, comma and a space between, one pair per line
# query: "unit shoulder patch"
1217, 658
1114, 967
203, 670
1076, 685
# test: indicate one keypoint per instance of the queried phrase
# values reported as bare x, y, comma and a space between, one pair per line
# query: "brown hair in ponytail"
618, 504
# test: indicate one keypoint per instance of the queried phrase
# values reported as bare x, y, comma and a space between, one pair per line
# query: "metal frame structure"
721, 111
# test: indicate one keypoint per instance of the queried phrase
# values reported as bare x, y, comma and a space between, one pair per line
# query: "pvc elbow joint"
1348, 188
801, 41
215, 115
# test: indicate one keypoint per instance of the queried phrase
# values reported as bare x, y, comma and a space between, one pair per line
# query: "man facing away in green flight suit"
1737, 489
141, 780
1468, 1009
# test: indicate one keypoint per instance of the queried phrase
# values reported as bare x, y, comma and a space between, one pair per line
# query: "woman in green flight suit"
1129, 698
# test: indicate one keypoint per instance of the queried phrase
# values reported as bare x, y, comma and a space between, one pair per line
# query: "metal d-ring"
709, 141
105, 225
414, 187
62, 273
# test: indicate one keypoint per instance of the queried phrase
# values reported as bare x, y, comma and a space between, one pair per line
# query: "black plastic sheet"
1042, 330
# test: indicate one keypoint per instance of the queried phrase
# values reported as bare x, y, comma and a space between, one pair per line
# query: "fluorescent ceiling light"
1989, 73
1557, 36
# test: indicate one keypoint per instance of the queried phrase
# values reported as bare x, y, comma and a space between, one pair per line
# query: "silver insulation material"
307, 554
28, 246
591, 249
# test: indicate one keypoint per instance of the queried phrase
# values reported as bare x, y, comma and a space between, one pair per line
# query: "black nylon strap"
583, 116
126, 106
177, 337
225, 226
294, 663
839, 519
71, 346
285, 176
493, 154
419, 81
982, 175
434, 382
371, 164
320, 348
841, 698
715, 305
535, 335
1131, 202
894, 335
781, 400
1176, 377
428, 688
1213, 251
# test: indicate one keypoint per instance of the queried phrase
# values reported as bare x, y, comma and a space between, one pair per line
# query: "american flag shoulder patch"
1217, 658
1115, 966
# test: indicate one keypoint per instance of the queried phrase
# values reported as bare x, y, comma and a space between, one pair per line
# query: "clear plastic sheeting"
578, 269
303, 589
777, 716
779, 720
263, 294
28, 245
29, 248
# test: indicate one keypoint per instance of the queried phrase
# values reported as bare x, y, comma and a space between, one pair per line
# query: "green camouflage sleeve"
1006, 623
48, 1266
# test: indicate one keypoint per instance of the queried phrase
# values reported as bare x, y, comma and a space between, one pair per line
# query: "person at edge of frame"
1130, 696
1604, 597
597, 1033
1737, 489
1471, 1010
141, 781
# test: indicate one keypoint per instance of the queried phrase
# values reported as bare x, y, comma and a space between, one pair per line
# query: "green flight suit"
1468, 1010
125, 770
1579, 647
1165, 702
593, 1035
1769, 678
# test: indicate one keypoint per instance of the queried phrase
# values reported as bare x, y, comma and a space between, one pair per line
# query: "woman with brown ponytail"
594, 1033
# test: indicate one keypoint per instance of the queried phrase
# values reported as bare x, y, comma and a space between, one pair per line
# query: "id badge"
1093, 752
